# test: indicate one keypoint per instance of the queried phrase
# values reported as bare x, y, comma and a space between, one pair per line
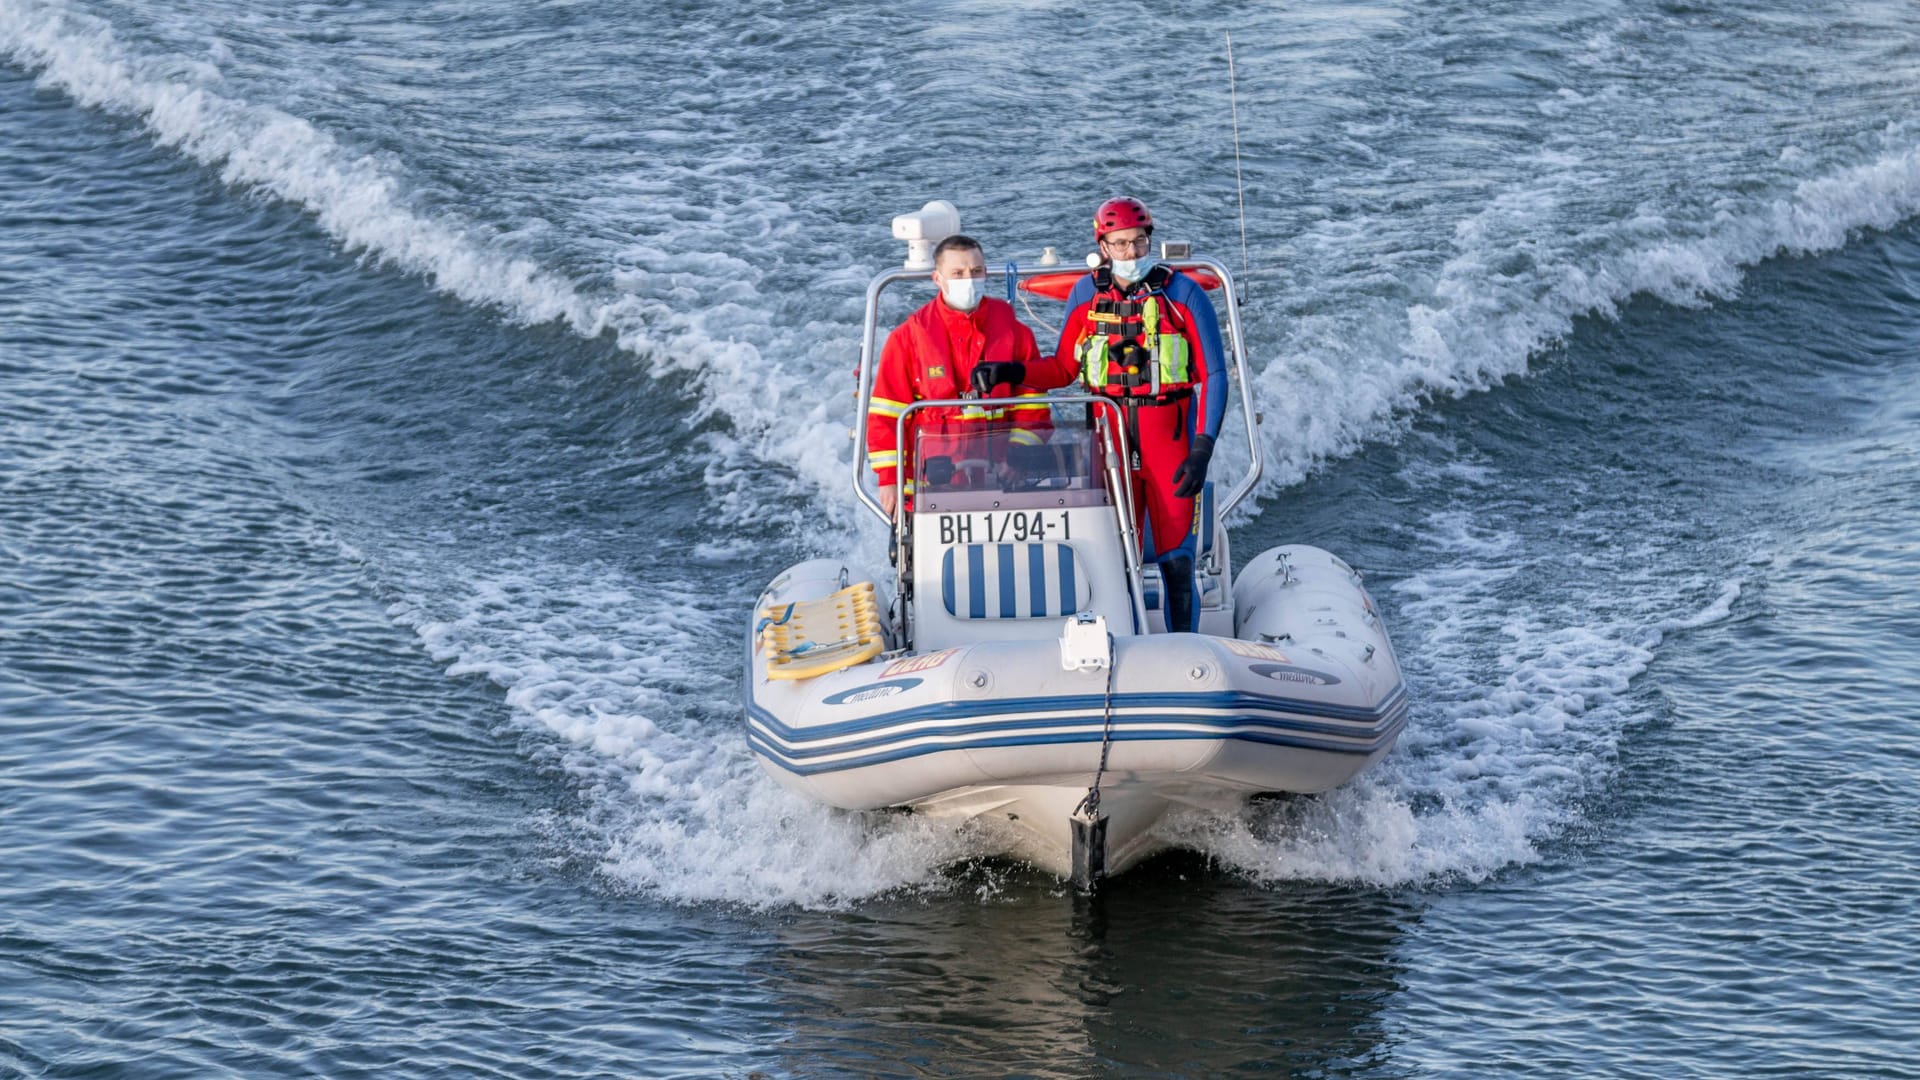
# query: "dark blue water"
399, 404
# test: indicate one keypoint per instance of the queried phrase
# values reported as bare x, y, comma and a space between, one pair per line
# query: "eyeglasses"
1138, 243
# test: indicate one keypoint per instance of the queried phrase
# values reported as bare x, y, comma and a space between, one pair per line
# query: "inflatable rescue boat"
1012, 665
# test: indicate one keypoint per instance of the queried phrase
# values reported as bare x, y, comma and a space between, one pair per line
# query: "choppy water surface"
401, 402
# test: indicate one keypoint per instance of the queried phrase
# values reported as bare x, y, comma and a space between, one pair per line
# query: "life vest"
1135, 343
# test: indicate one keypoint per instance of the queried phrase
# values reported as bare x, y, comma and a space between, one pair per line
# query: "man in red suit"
1147, 336
962, 343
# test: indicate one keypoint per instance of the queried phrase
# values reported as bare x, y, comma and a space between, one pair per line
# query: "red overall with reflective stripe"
932, 355
1162, 432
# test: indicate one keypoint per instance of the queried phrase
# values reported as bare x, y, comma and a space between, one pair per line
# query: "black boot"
1176, 582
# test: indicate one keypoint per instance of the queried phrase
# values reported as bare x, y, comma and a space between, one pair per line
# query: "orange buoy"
1057, 285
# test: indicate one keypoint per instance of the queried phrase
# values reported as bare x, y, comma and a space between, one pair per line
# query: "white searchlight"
924, 228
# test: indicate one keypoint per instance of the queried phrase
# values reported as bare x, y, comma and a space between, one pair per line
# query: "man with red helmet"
961, 343
1147, 335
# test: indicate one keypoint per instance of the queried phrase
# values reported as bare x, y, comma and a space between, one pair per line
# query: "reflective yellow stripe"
907, 486
1091, 352
1024, 438
884, 459
883, 407
1036, 407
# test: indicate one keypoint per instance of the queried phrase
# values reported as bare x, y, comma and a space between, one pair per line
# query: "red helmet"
1122, 213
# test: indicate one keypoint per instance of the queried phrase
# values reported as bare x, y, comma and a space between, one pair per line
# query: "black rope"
1091, 801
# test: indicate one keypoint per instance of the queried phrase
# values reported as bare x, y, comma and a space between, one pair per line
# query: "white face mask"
964, 293
1132, 270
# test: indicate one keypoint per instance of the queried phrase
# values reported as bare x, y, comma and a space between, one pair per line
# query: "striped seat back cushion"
1012, 581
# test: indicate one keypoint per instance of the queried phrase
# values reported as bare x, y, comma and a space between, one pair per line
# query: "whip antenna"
1239, 186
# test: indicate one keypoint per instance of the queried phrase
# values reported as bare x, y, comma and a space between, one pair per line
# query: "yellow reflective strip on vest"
1092, 355
884, 407
1175, 368
884, 459
1023, 438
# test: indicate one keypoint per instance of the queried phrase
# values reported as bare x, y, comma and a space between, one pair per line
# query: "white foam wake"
677, 808
349, 194
624, 680
780, 414
1530, 726
1483, 320
1524, 704
1479, 321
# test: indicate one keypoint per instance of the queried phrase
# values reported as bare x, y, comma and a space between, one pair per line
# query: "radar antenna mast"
1239, 185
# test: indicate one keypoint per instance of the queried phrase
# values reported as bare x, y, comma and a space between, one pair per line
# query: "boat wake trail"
778, 415
1525, 706
1508, 291
356, 200
1524, 701
676, 808
1512, 290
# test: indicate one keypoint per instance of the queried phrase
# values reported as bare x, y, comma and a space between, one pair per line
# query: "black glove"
1193, 471
991, 373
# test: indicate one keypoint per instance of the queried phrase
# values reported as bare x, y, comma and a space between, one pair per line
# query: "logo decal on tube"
1291, 674
872, 692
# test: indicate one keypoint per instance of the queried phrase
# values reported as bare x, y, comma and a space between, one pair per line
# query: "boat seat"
1012, 581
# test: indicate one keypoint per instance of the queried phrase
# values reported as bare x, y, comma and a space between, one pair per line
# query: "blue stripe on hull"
1228, 709
813, 744
951, 711
881, 756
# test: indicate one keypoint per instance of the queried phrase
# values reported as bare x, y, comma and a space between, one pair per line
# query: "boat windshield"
984, 464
